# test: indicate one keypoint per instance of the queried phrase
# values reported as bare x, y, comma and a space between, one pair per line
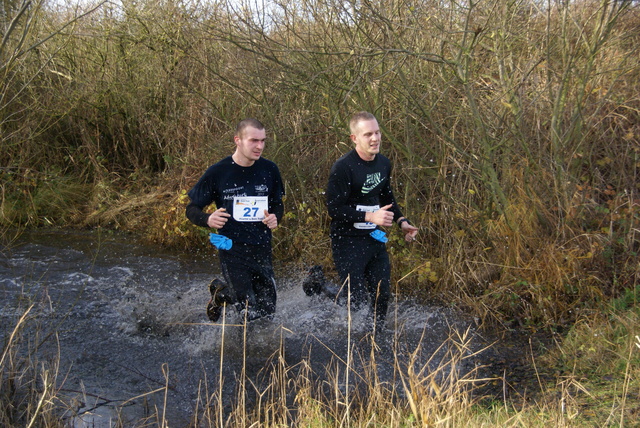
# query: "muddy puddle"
127, 323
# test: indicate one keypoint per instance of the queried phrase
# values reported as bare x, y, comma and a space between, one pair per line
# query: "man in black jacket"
360, 200
247, 190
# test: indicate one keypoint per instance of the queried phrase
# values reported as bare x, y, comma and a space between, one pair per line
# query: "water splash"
125, 310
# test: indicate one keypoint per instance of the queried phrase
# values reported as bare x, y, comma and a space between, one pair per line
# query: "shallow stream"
130, 319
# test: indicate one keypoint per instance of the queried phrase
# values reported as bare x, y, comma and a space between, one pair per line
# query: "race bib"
250, 208
366, 208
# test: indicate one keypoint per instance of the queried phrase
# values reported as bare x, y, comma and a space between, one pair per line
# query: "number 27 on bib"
250, 208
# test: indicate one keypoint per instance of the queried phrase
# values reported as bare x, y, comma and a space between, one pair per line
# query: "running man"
360, 201
247, 190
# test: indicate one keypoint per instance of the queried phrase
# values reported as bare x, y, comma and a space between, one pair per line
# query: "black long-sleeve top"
354, 187
225, 184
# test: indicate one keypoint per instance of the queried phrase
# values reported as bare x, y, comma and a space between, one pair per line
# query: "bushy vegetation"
512, 127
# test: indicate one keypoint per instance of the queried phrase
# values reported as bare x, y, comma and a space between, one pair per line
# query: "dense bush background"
513, 127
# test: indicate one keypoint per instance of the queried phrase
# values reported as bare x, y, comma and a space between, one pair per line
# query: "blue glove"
379, 235
221, 242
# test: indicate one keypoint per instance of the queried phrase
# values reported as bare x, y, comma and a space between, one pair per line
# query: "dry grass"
28, 385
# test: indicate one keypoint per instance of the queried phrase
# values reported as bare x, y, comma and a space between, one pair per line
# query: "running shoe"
314, 281
219, 299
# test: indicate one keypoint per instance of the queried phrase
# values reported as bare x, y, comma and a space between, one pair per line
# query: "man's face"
366, 135
249, 145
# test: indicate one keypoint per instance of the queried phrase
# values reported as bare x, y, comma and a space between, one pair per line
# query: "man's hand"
270, 220
409, 231
381, 217
218, 218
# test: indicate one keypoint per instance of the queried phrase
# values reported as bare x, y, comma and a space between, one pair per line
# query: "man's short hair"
359, 117
246, 123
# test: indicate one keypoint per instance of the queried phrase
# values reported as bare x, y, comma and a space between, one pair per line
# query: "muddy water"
130, 319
